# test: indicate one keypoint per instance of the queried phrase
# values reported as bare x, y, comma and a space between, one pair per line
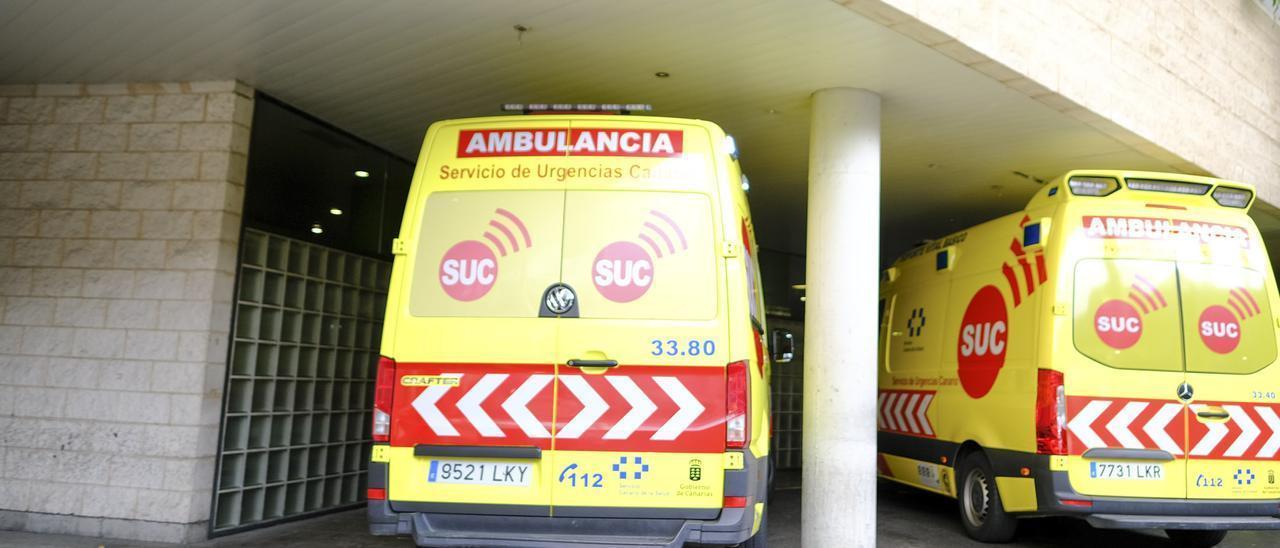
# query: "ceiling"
953, 138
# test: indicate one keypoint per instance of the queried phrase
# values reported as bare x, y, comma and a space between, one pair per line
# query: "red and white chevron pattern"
905, 412
662, 408
1252, 432
1125, 423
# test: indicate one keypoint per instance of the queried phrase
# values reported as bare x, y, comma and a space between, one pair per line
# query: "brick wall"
1194, 83
119, 219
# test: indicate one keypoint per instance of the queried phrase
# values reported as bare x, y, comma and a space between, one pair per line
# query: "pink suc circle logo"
1219, 329
622, 272
468, 270
1118, 324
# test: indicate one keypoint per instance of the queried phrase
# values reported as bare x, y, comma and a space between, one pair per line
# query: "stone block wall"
119, 221
1193, 83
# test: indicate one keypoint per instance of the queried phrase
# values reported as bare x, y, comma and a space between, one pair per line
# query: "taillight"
735, 502
735, 435
1051, 413
382, 392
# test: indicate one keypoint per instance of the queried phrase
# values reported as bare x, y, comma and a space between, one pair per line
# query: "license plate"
480, 473
1126, 471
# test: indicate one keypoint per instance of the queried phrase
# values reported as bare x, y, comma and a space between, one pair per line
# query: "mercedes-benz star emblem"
560, 299
1185, 392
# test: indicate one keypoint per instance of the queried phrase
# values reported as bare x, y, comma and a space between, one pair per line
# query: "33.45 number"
676, 347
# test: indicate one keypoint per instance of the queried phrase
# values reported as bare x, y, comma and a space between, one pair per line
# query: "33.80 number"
675, 347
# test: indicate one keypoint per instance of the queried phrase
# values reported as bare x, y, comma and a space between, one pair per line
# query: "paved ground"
906, 519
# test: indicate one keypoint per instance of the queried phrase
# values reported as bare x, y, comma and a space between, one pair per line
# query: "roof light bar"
1172, 187
1093, 186
576, 107
1232, 197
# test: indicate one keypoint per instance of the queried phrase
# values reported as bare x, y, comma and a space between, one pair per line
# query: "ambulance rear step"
1126, 521
538, 532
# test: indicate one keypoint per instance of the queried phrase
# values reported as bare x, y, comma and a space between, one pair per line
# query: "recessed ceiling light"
798, 286
335, 211
362, 174
662, 74
317, 229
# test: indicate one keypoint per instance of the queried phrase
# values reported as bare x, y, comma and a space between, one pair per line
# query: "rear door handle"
1213, 413
592, 363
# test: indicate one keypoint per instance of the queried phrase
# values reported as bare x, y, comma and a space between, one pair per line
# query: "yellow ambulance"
1107, 353
574, 346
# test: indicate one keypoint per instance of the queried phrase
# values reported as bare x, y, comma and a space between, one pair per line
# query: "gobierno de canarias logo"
469, 269
623, 271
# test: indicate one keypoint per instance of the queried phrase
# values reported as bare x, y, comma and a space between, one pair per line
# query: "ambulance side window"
886, 323
915, 327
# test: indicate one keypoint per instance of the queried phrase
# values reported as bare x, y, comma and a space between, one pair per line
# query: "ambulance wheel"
1195, 538
981, 511
761, 538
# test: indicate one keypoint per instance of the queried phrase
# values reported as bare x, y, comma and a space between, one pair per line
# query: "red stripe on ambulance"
654, 408
652, 143
905, 412
1252, 431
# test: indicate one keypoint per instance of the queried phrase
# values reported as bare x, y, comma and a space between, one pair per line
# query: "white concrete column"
842, 278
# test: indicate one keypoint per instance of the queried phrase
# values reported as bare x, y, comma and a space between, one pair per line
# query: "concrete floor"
907, 519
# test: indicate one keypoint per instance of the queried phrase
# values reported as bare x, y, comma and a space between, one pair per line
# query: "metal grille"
787, 386
296, 420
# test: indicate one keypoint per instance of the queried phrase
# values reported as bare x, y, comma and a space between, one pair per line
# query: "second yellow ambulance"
574, 340
1108, 352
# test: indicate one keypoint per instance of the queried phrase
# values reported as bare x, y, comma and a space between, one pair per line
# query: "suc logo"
623, 271
469, 269
1118, 324
1219, 329
983, 342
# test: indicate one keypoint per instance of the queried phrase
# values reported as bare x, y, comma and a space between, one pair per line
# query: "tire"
761, 538
1195, 538
981, 511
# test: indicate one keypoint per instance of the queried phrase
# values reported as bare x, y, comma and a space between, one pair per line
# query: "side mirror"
783, 346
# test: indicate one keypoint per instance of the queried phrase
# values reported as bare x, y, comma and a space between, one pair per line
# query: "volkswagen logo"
559, 299
1185, 392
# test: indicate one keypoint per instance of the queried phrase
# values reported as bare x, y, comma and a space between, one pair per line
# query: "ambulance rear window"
1173, 316
1126, 313
641, 255
486, 253
1227, 319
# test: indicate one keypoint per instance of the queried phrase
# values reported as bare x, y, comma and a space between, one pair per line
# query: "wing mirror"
783, 346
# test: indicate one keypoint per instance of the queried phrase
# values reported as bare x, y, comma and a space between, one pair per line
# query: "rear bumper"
1124, 521
439, 529
452, 524
1150, 513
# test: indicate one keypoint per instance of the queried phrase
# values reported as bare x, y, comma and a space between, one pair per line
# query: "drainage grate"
296, 421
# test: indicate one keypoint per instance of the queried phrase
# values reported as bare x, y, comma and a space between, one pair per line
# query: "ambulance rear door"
473, 404
1234, 420
640, 378
1125, 423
